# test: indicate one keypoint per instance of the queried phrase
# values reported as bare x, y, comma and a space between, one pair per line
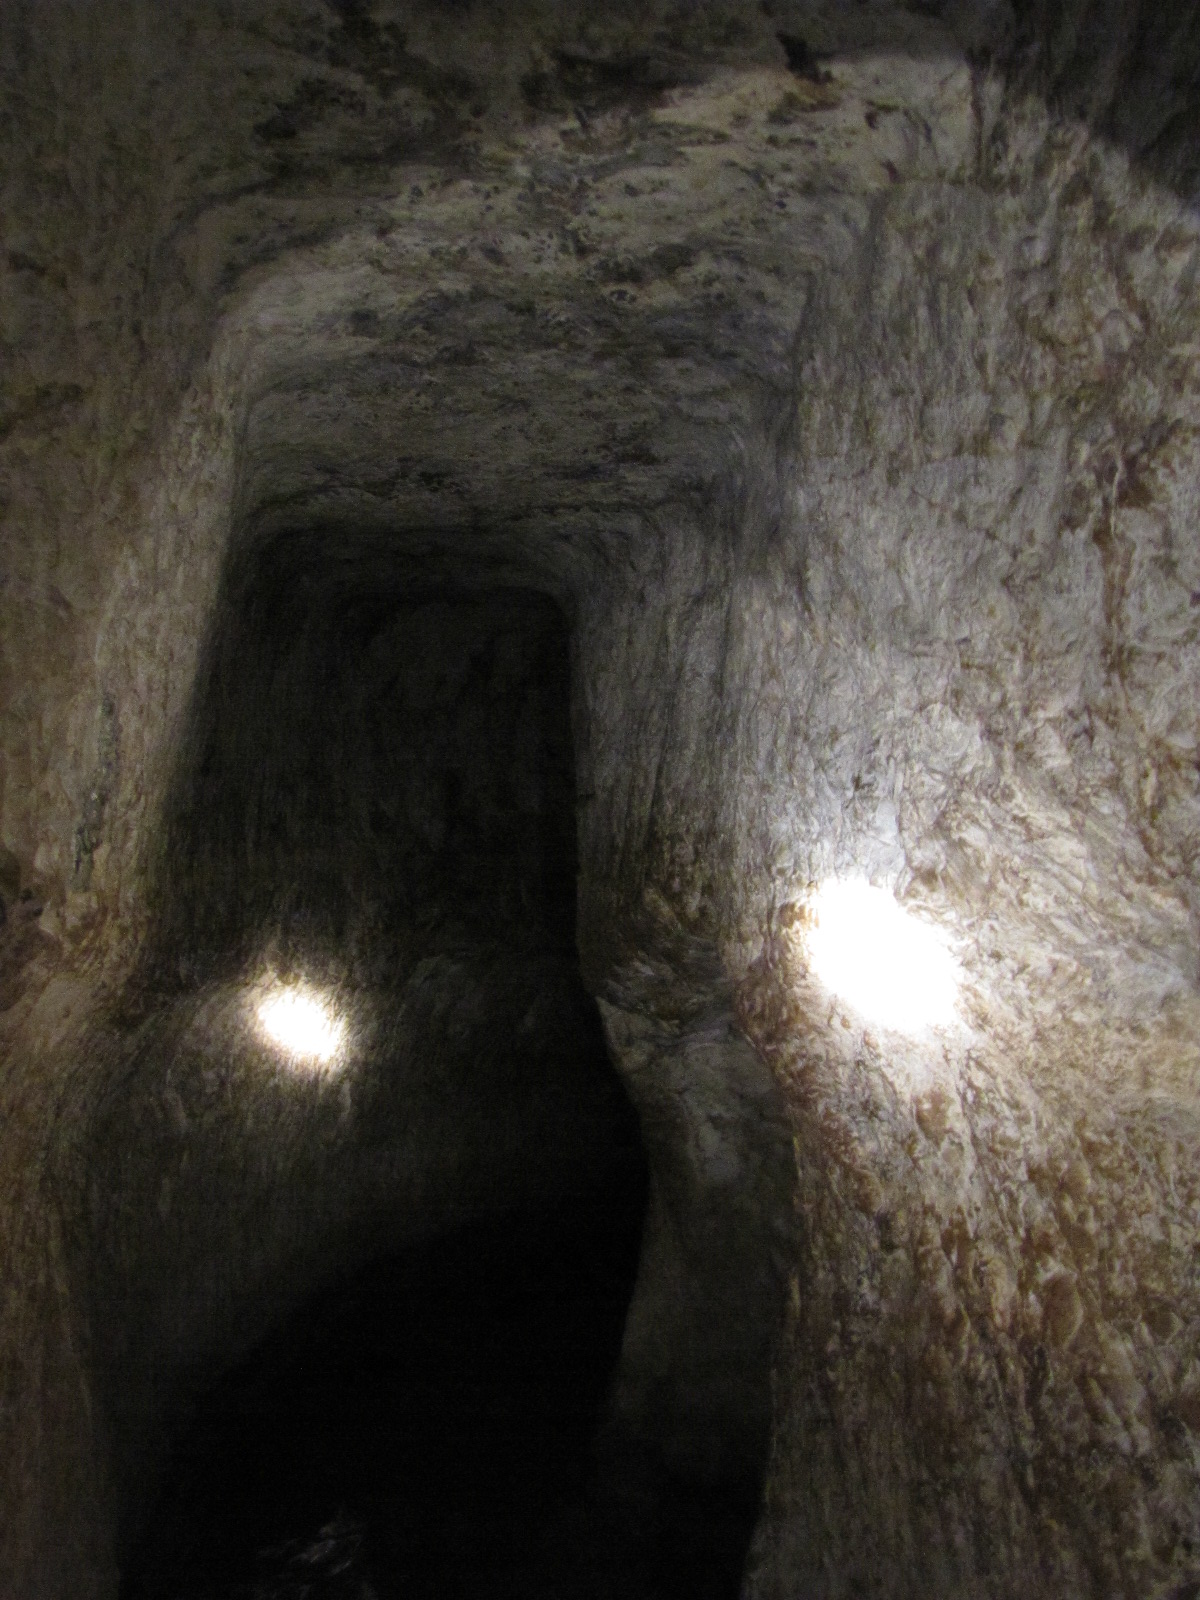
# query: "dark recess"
1129, 68
378, 774
801, 60
428, 1429
374, 767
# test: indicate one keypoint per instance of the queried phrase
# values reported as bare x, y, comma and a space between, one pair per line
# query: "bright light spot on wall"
302, 1024
893, 969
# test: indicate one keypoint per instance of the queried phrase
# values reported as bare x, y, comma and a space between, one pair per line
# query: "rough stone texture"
694, 1382
834, 370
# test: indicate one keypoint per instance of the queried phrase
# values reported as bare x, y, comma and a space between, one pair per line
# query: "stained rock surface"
500, 504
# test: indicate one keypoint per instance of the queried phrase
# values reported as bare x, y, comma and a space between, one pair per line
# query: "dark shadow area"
375, 766
433, 1415
1129, 68
427, 1429
373, 798
373, 1333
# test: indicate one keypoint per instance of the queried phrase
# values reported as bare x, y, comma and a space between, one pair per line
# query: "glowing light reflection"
893, 969
302, 1024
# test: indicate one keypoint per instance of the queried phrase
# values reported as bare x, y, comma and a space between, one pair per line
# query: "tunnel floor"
430, 1428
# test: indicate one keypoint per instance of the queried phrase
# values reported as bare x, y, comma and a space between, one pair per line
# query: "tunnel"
374, 811
599, 800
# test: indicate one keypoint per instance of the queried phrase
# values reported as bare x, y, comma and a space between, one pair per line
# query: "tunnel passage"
837, 365
424, 1427
438, 1233
377, 765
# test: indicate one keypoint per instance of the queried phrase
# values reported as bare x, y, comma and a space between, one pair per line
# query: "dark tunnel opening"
404, 1382
378, 764
423, 1429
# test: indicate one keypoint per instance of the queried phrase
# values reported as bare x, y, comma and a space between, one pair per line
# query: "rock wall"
953, 647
